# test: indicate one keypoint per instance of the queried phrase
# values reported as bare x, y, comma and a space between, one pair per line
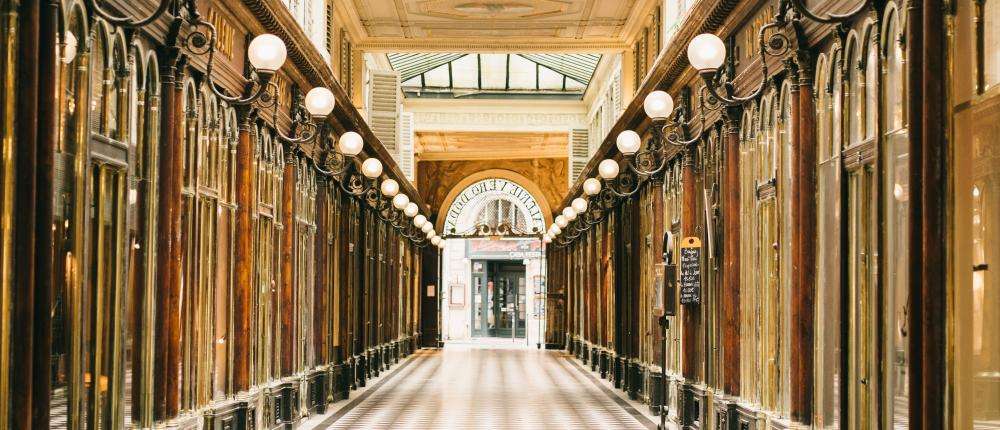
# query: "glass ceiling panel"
494, 75
549, 80
523, 73
494, 70
465, 71
437, 77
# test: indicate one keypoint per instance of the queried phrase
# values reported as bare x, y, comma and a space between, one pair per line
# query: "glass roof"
447, 75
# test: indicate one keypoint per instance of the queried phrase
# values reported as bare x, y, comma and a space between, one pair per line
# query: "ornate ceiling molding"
496, 121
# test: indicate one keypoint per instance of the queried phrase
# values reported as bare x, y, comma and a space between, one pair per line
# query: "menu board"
690, 271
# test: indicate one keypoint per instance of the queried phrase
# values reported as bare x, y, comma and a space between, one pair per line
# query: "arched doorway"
492, 259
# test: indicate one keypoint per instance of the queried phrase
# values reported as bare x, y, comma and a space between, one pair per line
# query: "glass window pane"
494, 70
465, 72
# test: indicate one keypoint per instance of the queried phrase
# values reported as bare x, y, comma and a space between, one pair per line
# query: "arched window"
305, 231
895, 238
855, 96
828, 240
501, 211
872, 65
67, 401
749, 230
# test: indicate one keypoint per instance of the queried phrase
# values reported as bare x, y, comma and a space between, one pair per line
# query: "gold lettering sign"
224, 33
749, 39
284, 92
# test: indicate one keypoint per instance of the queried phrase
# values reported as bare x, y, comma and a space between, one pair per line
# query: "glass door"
499, 301
862, 362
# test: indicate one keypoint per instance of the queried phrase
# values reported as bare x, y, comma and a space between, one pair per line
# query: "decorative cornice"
528, 46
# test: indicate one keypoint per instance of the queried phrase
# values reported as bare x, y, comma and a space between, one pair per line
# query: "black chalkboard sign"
690, 271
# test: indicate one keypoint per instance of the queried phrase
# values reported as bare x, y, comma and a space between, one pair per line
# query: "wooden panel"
469, 145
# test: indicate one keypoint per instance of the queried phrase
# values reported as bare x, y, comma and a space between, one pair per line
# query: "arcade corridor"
487, 384
296, 214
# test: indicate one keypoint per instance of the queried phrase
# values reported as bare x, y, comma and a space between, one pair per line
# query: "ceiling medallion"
495, 8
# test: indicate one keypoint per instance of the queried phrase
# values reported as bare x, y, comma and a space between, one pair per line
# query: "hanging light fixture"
267, 53
69, 47
400, 201
350, 143
608, 169
411, 210
389, 188
320, 102
419, 221
371, 168
658, 105
628, 142
569, 213
706, 52
591, 186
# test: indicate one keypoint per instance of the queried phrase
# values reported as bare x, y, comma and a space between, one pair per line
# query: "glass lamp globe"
69, 47
411, 210
350, 144
389, 188
658, 104
419, 221
556, 230
267, 52
320, 102
427, 228
430, 234
371, 168
591, 186
436, 241
441, 245
569, 213
561, 221
400, 201
628, 142
608, 169
706, 52
579, 205
547, 239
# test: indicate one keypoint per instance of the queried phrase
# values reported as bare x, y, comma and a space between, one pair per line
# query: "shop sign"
690, 268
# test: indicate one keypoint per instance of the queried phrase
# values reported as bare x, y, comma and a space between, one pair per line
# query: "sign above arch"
466, 205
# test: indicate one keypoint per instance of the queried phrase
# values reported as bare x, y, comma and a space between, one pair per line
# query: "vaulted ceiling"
500, 25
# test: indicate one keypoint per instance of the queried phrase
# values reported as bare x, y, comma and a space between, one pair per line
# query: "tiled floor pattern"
491, 385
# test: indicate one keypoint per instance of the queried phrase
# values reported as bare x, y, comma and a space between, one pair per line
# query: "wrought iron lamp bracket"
356, 184
132, 22
832, 18
335, 164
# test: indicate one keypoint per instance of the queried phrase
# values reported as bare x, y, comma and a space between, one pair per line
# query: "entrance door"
498, 299
863, 327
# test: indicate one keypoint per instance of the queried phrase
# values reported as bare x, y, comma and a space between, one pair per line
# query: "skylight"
447, 75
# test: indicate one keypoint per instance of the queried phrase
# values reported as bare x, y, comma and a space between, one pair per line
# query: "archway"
492, 282
519, 182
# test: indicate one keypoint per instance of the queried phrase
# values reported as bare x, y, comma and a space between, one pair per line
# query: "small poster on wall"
539, 282
456, 295
431, 290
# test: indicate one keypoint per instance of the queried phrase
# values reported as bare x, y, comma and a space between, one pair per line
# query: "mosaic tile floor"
488, 385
